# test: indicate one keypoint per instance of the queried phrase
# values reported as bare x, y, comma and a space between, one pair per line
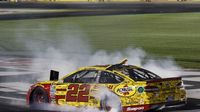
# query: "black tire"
39, 96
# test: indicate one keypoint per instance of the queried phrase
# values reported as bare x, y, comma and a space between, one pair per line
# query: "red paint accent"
72, 92
140, 108
60, 97
47, 88
83, 94
164, 79
61, 89
78, 93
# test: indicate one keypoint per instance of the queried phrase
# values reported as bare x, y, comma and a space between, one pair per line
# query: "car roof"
106, 67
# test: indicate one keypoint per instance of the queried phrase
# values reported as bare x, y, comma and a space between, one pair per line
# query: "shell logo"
125, 90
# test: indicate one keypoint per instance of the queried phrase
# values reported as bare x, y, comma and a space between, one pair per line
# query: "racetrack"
16, 77
90, 9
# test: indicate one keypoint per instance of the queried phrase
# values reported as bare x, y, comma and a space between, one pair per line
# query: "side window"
107, 77
85, 76
88, 77
72, 78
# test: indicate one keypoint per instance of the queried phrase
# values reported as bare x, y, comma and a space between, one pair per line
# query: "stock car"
138, 89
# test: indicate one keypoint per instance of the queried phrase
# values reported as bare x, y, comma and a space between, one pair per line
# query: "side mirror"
54, 75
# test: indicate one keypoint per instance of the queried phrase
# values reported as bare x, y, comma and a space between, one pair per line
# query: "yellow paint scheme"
127, 90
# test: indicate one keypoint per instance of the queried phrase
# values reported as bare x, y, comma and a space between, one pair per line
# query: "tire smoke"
67, 48
71, 50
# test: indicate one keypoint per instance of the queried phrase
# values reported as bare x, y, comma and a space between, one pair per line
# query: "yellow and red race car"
138, 89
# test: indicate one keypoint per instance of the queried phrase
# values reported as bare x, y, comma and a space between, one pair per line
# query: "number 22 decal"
79, 93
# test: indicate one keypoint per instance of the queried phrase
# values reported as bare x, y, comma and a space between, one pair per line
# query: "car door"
109, 79
76, 88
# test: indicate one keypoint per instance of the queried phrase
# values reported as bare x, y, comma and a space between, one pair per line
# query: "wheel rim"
40, 98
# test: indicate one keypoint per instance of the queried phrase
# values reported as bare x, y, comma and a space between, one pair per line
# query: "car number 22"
78, 93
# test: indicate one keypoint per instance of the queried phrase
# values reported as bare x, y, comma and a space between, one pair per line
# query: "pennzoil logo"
125, 90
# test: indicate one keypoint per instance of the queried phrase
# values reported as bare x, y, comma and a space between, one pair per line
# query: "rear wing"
118, 65
164, 79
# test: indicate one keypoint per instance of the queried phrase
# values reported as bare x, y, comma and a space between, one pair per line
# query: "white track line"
12, 98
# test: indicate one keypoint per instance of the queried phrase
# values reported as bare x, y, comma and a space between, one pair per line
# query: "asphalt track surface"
91, 9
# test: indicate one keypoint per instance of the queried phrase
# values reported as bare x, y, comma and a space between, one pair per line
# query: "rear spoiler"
164, 79
118, 65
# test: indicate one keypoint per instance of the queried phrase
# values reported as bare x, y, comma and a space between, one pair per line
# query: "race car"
138, 89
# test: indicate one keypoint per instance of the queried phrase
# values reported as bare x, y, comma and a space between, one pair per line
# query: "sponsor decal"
134, 101
140, 89
125, 90
135, 109
52, 91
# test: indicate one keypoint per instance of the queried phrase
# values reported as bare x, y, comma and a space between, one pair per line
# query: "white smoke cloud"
164, 67
71, 50
64, 108
111, 99
66, 48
